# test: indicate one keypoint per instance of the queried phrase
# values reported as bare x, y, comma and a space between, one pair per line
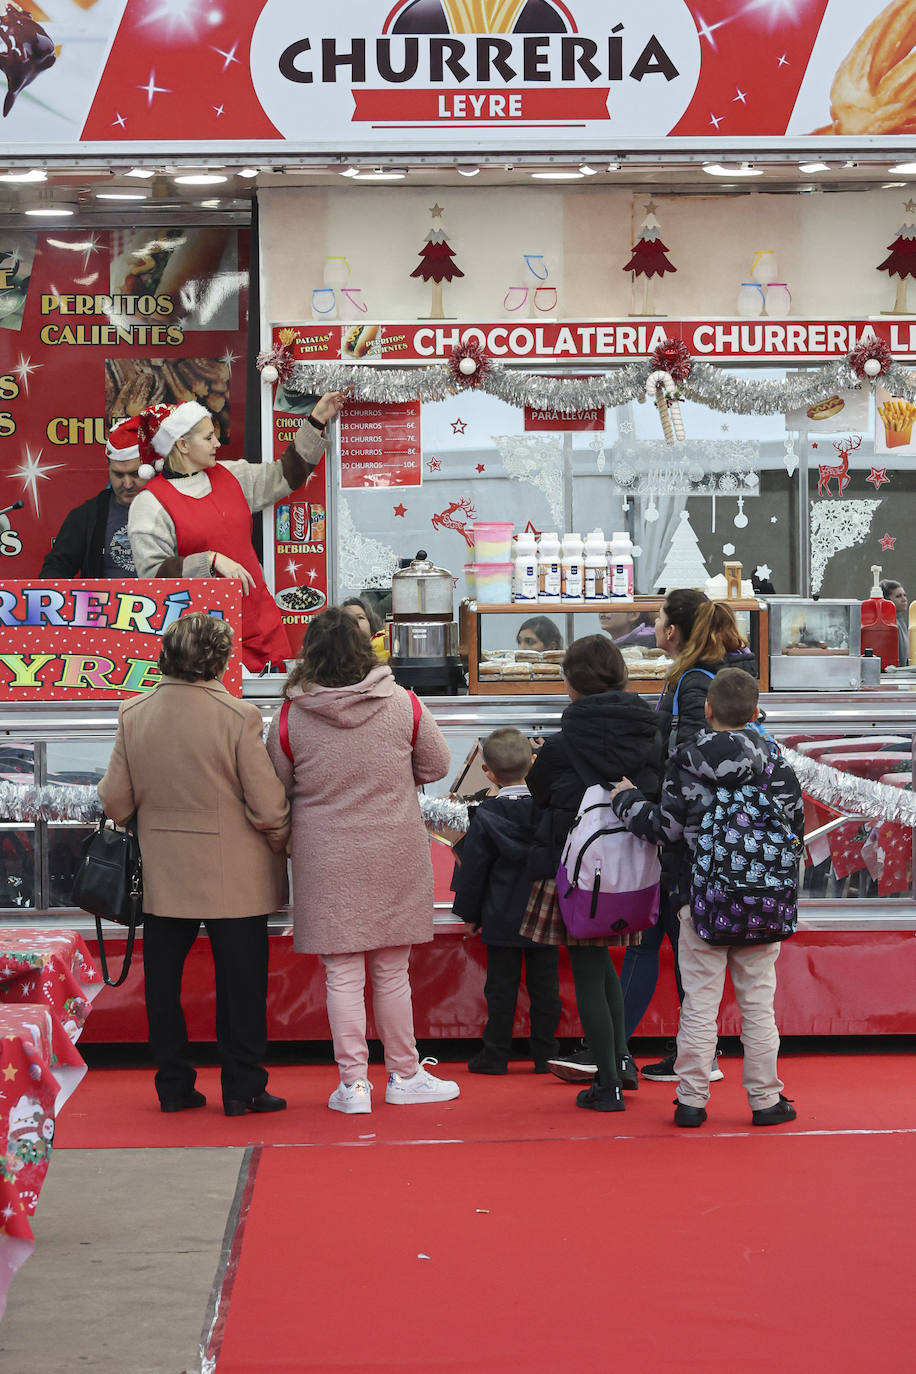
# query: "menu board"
380, 444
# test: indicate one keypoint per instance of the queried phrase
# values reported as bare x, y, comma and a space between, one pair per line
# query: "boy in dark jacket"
491, 892
725, 755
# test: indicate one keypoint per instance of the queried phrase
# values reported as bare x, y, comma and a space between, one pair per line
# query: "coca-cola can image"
299, 521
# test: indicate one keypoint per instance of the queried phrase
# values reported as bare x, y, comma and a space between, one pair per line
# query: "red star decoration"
887, 542
813, 444
481, 467
459, 426
434, 465
877, 477
529, 529
400, 510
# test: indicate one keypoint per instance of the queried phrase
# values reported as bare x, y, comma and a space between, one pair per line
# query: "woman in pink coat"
362, 877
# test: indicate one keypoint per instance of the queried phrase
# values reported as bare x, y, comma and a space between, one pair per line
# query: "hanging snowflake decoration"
537, 459
362, 562
872, 358
672, 356
275, 363
468, 363
836, 525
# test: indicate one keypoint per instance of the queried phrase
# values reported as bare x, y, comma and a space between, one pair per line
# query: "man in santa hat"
92, 541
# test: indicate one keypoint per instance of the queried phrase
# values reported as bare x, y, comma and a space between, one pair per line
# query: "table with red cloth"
47, 983
848, 842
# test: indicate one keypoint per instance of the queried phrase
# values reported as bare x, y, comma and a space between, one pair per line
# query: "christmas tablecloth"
52, 966
29, 1094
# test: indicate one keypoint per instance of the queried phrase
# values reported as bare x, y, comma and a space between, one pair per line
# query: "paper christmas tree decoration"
901, 261
684, 566
649, 258
436, 265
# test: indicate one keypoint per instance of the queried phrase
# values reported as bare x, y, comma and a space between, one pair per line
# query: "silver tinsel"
444, 813
711, 386
53, 802
847, 793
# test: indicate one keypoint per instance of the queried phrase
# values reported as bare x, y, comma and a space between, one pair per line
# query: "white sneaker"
716, 1075
351, 1097
422, 1087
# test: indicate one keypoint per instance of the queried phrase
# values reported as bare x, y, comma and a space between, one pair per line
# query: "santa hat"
123, 445
160, 428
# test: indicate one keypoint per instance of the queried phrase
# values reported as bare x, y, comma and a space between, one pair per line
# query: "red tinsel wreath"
870, 348
478, 357
279, 356
672, 356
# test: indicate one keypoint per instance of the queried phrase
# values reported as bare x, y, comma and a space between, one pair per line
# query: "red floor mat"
117, 1108
701, 1253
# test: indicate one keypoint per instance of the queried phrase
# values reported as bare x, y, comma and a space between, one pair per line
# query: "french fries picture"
897, 417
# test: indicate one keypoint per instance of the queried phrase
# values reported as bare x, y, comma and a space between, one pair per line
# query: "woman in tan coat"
350, 760
213, 821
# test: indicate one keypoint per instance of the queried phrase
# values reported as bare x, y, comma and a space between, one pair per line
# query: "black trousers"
239, 947
504, 974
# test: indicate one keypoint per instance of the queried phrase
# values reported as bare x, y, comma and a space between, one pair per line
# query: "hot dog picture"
359, 339
178, 262
825, 410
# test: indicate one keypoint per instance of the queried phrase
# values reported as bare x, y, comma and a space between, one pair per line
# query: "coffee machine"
423, 635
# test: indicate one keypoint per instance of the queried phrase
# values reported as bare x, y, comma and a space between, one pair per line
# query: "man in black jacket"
92, 541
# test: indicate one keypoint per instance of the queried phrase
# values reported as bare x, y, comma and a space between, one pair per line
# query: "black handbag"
109, 885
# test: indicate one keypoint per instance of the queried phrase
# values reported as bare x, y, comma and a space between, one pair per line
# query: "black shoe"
262, 1102
574, 1068
541, 1066
774, 1116
602, 1099
628, 1074
688, 1116
487, 1062
184, 1104
662, 1072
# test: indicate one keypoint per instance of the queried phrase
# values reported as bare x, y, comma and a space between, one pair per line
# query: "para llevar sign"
100, 640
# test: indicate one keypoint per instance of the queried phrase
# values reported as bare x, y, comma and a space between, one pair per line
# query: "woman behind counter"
362, 876
193, 518
213, 821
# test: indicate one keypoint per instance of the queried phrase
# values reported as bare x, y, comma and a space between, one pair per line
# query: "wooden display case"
471, 612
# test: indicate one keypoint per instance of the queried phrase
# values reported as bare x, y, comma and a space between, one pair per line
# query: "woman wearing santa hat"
193, 517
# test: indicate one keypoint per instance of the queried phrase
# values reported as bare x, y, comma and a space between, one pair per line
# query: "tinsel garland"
53, 802
709, 385
850, 794
444, 813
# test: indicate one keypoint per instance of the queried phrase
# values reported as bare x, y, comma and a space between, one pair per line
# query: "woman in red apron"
194, 516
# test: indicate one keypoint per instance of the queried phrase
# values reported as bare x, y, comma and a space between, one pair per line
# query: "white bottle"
595, 566
549, 569
572, 571
621, 567
525, 574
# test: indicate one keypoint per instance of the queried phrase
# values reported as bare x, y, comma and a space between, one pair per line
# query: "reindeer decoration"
444, 521
838, 470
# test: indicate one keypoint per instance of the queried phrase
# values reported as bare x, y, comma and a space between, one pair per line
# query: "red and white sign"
466, 74
380, 444
62, 641
300, 544
615, 340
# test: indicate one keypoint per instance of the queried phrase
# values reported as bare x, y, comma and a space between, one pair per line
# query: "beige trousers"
753, 973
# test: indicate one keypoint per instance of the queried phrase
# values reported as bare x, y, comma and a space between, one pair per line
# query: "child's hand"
623, 786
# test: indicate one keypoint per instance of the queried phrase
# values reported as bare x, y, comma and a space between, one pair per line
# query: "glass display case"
518, 650
814, 645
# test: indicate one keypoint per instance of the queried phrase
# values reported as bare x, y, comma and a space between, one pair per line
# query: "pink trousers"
345, 976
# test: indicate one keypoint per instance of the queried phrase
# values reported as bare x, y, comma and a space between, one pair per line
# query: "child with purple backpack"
732, 809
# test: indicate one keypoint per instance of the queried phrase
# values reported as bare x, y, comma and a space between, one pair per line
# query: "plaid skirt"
543, 923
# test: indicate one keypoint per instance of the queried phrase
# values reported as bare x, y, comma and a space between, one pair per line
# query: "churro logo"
470, 69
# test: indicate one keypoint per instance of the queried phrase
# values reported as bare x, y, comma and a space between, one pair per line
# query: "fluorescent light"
49, 211
380, 174
200, 179
557, 176
113, 191
34, 175
903, 169
809, 167
468, 171
144, 173
740, 169
350, 172
246, 171
892, 185
210, 204
588, 171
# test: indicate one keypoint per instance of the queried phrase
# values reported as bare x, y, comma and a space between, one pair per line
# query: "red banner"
101, 639
480, 106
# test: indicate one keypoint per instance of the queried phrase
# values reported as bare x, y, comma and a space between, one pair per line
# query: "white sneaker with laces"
351, 1098
422, 1087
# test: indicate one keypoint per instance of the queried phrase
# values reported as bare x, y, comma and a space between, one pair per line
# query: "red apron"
222, 521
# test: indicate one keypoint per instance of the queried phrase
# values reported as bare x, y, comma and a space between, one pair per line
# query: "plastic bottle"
595, 566
621, 567
879, 624
549, 584
525, 574
572, 570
